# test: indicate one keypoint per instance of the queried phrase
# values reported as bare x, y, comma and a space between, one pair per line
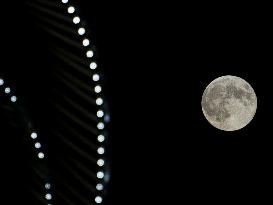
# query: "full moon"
229, 103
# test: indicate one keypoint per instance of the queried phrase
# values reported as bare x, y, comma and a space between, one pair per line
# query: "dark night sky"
158, 59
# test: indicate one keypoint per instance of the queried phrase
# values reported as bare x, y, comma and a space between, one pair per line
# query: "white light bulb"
100, 175
96, 77
47, 185
85, 42
41, 155
1, 82
48, 196
99, 187
76, 20
100, 125
93, 66
98, 200
89, 54
71, 9
81, 31
100, 162
38, 145
13, 99
100, 113
65, 1
98, 89
101, 138
101, 150
99, 101
33, 135
7, 90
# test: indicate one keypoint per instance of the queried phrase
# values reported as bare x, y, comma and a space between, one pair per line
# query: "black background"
158, 59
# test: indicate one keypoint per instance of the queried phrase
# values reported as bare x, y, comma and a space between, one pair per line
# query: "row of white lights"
99, 101
7, 90
33, 135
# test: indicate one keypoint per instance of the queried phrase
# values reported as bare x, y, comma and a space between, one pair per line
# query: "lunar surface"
229, 103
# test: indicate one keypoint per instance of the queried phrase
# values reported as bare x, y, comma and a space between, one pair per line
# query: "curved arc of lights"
32, 134
101, 113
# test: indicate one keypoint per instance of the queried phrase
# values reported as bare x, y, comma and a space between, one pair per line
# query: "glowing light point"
98, 89
100, 162
100, 113
33, 135
38, 145
81, 31
76, 20
99, 101
93, 66
89, 54
101, 138
71, 10
85, 42
7, 90
98, 200
13, 99
100, 125
48, 186
99, 187
41, 155
96, 77
100, 175
48, 196
101, 150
